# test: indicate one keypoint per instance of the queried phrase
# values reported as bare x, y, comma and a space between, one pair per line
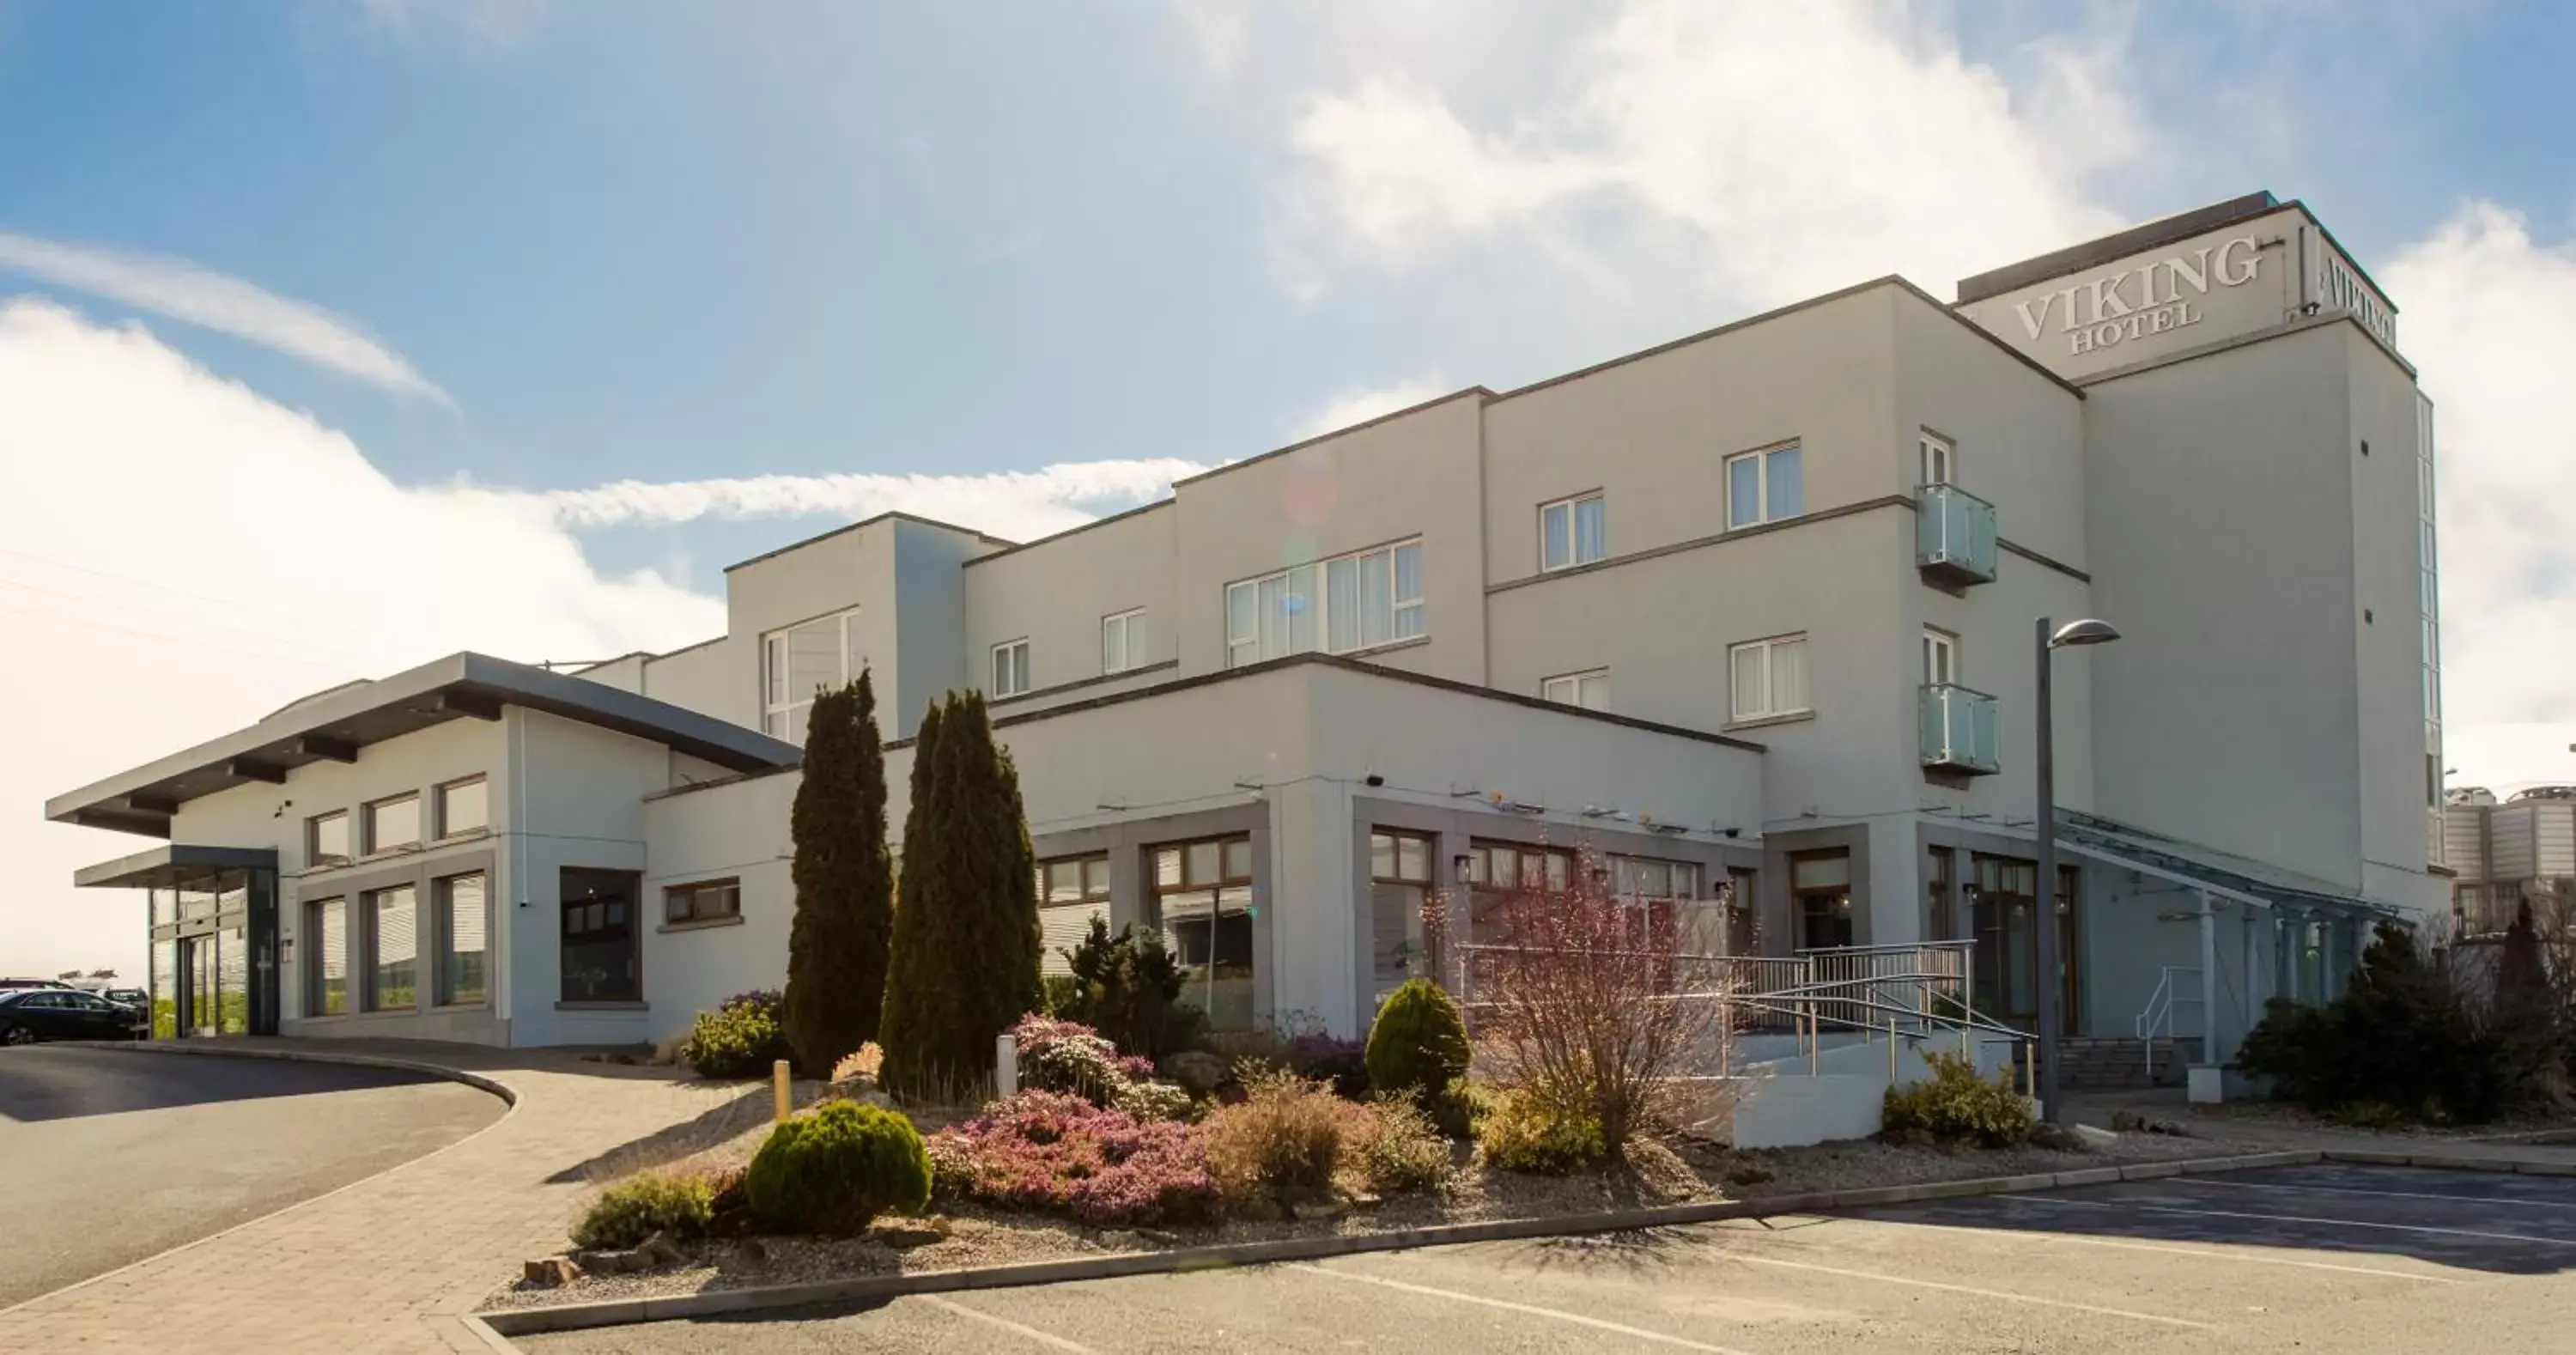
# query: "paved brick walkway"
390, 1263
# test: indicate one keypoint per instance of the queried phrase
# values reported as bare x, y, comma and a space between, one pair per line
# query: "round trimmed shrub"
678, 1203
1418, 1043
834, 1170
739, 1039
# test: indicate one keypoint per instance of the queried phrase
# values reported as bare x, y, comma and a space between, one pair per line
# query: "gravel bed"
1686, 1171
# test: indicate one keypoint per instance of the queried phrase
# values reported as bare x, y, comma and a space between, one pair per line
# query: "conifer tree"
966, 935
843, 926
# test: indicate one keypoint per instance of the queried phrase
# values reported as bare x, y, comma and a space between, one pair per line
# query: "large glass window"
1769, 677
326, 957
800, 660
1353, 602
2006, 980
1764, 487
2428, 568
463, 807
1399, 882
1122, 641
165, 989
326, 838
393, 824
464, 940
600, 960
393, 949
1203, 899
1072, 890
1573, 532
1497, 870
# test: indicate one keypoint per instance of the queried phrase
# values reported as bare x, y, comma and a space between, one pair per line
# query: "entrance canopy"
2230, 877
176, 866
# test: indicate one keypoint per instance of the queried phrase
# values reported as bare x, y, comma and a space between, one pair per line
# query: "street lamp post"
2052, 985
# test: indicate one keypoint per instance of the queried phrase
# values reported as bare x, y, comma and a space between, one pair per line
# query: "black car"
31, 1014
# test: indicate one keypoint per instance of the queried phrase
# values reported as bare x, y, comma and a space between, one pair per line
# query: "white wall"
738, 831
580, 803
1054, 594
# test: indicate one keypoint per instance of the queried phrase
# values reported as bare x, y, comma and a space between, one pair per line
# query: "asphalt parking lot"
2328, 1258
108, 1156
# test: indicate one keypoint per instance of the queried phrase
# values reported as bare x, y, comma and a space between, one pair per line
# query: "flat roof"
337, 724
172, 866
2118, 244
890, 515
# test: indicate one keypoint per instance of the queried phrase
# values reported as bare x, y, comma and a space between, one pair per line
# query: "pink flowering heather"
1068, 1056
1056, 1153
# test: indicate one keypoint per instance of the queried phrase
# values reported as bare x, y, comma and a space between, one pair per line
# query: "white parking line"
2052, 1239
1533, 1310
2391, 1194
2295, 1218
1047, 1339
1877, 1278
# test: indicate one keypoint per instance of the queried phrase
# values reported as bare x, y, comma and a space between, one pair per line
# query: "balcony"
1954, 536
1959, 729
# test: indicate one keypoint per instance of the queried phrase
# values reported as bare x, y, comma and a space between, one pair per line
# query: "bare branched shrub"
1578, 997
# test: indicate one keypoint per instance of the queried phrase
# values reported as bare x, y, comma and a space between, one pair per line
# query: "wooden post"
782, 1098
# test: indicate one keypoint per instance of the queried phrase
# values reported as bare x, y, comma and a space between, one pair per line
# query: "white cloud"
1760, 153
201, 296
1014, 505
490, 23
1360, 406
2490, 316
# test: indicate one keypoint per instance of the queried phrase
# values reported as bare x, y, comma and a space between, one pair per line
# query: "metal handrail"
2157, 1017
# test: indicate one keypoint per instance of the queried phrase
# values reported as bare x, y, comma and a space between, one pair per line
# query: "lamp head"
2085, 632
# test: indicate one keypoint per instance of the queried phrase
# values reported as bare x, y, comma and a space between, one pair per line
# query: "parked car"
136, 998
6, 984
28, 1015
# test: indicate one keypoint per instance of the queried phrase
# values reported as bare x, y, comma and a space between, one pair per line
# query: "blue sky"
557, 245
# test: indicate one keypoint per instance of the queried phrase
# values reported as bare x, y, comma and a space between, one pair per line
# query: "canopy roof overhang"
2221, 874
176, 866
338, 724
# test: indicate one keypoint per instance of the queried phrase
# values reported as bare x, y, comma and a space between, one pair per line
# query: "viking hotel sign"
2135, 303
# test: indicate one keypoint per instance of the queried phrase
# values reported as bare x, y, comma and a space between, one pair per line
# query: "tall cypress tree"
843, 926
966, 937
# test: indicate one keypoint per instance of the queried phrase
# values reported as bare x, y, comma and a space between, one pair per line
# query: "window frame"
1480, 872
1946, 644
1319, 591
1019, 669
1771, 709
313, 853
1131, 641
317, 957
692, 915
438, 804
1395, 839
367, 824
442, 945
1573, 505
623, 886
1214, 890
773, 675
1761, 457
1930, 447
1577, 685
372, 912
1092, 885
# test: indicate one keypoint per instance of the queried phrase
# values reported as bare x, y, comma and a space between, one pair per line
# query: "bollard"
1891, 1051
1006, 1065
779, 1093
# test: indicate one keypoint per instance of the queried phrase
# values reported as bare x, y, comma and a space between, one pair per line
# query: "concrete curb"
2373, 1157
509, 1095
505, 1323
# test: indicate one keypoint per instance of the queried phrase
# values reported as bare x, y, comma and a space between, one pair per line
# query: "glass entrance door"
197, 961
2007, 936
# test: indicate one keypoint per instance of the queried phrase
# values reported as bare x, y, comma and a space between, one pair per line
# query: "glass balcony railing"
1954, 535
1959, 729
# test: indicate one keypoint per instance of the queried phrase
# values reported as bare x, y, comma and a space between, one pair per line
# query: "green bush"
834, 1170
1418, 1042
1394, 1147
1957, 1105
678, 1203
1127, 986
2401, 1035
1154, 1101
739, 1039
1524, 1131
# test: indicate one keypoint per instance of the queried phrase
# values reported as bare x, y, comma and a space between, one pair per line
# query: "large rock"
902, 1234
553, 1272
1196, 1069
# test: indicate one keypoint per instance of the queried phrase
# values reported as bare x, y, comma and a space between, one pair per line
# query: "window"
1503, 865
464, 940
394, 824
1589, 690
1399, 882
326, 957
326, 839
463, 807
600, 961
702, 901
1770, 677
1648, 878
1203, 902
1358, 601
1122, 641
1072, 891
798, 661
393, 949
1939, 459
1940, 656
1010, 668
2428, 568
1572, 532
1941, 911
1821, 884
1764, 487
2005, 982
